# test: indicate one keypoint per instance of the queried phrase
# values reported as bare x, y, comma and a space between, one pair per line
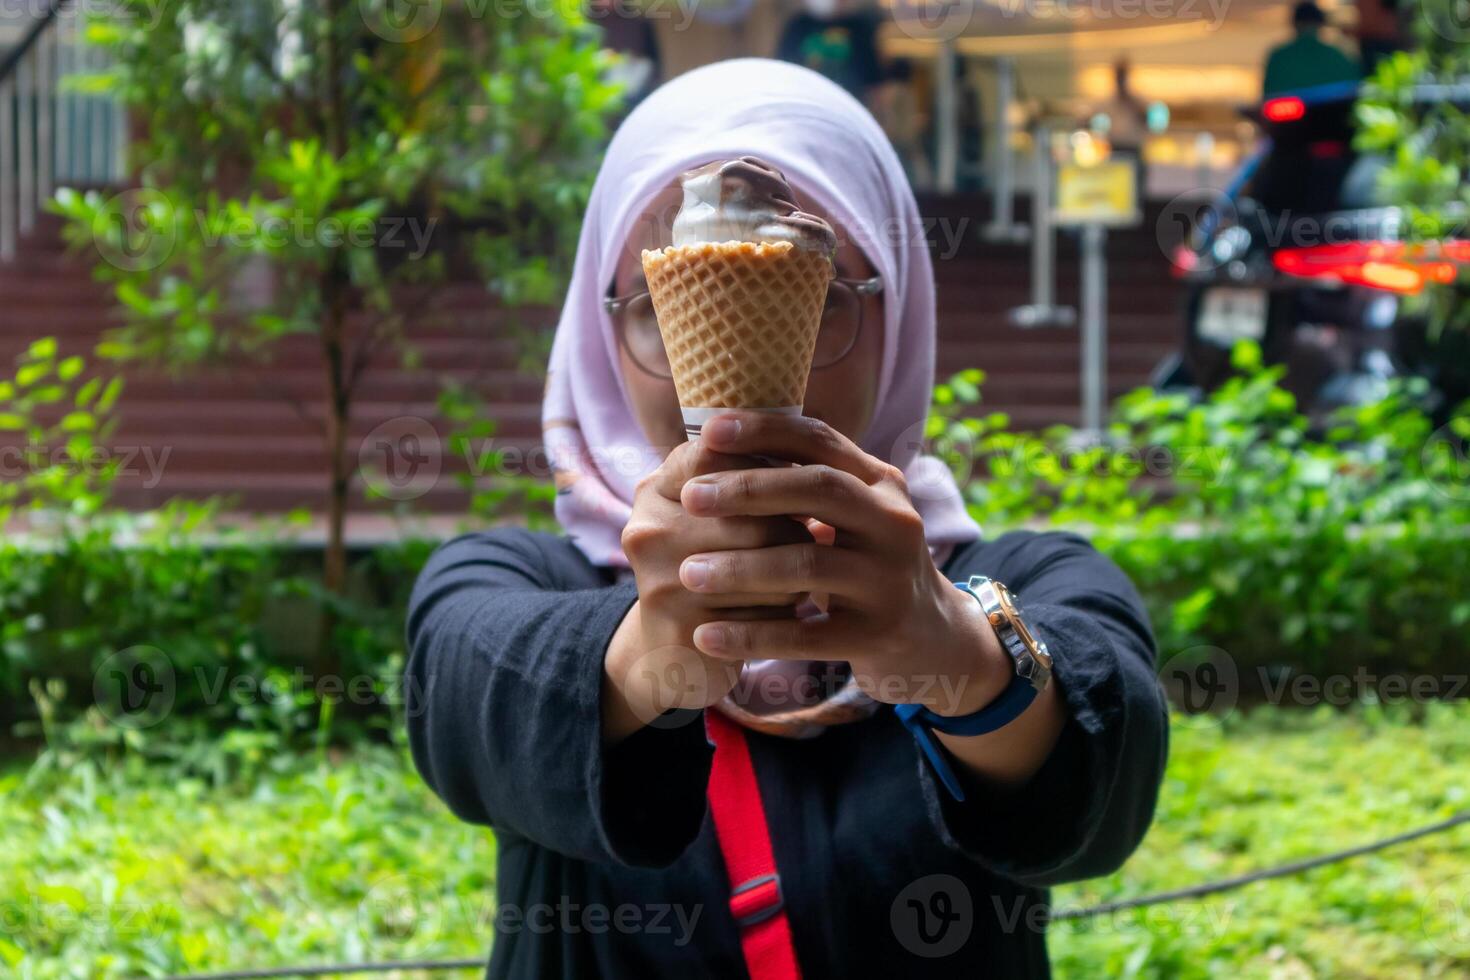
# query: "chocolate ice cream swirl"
746, 200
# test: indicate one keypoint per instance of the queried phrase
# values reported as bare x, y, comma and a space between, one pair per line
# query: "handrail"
12, 59
46, 133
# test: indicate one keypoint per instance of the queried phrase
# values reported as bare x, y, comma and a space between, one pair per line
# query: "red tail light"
1183, 261
1397, 267
1287, 108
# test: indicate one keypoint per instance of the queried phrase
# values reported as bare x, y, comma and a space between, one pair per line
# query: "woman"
569, 691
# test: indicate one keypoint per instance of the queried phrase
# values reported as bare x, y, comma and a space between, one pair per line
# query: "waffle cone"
739, 321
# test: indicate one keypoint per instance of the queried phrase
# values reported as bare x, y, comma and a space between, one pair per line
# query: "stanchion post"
9, 201
1042, 310
1043, 244
946, 119
1094, 328
1003, 225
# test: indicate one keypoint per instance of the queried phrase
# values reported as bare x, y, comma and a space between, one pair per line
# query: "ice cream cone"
739, 322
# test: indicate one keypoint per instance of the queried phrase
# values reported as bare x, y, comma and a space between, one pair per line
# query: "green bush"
229, 619
1321, 602
224, 619
54, 417
1243, 529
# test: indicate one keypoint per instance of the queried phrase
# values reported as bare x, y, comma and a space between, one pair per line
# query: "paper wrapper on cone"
739, 321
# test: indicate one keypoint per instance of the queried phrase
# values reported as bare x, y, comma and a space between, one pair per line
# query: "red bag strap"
756, 901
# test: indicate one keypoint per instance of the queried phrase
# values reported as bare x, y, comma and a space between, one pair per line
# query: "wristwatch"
1033, 672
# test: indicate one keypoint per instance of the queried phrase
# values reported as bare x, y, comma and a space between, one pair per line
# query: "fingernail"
711, 639
721, 429
700, 495
695, 573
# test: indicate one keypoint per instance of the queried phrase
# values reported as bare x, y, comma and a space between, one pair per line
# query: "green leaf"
67, 895
29, 374
109, 396
78, 422
87, 392
1246, 357
131, 295
70, 368
48, 394
116, 350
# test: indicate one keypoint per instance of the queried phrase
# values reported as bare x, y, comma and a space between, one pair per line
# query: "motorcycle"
1301, 255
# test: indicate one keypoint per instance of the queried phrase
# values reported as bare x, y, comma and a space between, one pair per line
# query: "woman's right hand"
651, 664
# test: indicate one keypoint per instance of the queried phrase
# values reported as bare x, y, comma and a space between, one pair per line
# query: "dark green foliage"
1407, 115
1243, 530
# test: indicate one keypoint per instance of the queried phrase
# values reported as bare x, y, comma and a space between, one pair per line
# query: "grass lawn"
131, 873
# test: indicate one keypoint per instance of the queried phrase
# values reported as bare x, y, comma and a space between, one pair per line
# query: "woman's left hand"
908, 634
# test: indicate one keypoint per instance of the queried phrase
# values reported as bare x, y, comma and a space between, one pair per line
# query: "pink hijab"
837, 158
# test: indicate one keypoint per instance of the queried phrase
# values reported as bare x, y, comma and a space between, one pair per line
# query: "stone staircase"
1034, 374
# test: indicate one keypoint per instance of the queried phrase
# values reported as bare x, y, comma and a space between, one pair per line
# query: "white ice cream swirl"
746, 200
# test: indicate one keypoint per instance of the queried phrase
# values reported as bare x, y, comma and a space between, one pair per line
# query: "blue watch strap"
907, 713
1006, 708
1014, 700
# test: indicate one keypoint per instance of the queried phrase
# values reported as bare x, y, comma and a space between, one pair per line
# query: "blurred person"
900, 105
627, 32
907, 112
1127, 123
1306, 60
693, 33
837, 39
1380, 32
1127, 114
971, 105
809, 610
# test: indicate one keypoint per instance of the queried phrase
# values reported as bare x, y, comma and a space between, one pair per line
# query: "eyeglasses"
842, 322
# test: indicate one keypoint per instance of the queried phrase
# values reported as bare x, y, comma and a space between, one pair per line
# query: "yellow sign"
1104, 193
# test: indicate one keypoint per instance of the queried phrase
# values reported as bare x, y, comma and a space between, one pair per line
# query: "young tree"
313, 144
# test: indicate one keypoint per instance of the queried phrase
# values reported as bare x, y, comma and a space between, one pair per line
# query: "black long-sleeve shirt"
608, 861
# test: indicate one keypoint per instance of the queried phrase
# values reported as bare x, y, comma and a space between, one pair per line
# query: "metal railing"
49, 135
